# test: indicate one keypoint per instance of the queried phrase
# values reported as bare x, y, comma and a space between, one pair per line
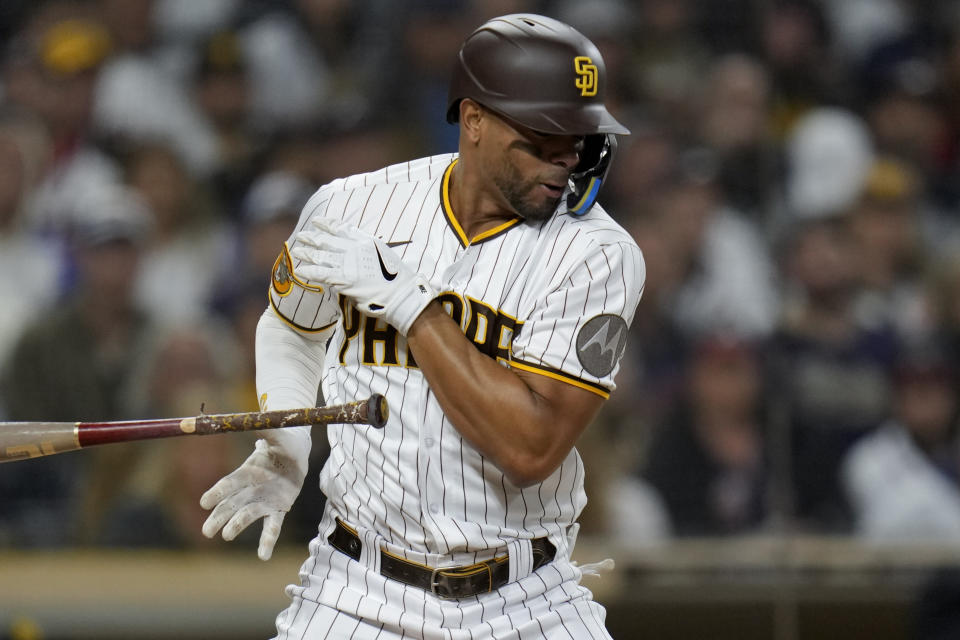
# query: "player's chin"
537, 214
539, 205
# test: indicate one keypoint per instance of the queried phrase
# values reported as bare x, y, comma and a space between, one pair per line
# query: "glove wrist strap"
409, 308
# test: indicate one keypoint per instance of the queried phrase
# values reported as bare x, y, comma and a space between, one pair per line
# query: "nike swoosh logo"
383, 268
398, 243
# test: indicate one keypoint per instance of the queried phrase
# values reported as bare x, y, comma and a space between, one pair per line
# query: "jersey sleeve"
308, 306
578, 331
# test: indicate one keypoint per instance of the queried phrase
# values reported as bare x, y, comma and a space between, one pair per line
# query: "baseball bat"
23, 440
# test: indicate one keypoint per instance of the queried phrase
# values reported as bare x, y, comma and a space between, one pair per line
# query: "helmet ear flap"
588, 176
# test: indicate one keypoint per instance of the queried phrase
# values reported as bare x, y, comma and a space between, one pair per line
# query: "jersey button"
434, 508
428, 442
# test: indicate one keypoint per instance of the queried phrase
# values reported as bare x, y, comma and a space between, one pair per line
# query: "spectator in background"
138, 100
319, 61
906, 100
221, 89
734, 106
829, 372
794, 40
859, 26
904, 479
886, 230
645, 163
668, 59
708, 463
189, 248
185, 23
72, 364
901, 95
24, 151
907, 103
723, 277
828, 155
130, 23
52, 70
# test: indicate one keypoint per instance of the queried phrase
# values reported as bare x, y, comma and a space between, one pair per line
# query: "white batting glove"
364, 268
264, 486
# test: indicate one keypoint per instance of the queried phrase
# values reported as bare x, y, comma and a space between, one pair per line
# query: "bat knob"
377, 411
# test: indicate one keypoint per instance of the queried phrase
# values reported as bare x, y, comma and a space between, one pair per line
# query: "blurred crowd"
790, 178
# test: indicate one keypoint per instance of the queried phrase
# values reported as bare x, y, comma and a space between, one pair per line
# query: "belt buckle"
434, 583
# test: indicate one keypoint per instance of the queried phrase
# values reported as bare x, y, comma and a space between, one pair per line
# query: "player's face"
532, 169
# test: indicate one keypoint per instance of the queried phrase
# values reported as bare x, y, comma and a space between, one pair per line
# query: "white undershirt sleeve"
289, 365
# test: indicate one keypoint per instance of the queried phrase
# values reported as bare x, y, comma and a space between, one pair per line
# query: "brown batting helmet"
547, 76
540, 72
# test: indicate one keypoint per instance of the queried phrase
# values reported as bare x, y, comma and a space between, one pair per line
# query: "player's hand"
264, 486
364, 268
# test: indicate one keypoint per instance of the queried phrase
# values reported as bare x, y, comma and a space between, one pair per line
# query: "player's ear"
471, 115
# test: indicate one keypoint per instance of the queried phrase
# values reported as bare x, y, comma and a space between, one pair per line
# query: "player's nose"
566, 151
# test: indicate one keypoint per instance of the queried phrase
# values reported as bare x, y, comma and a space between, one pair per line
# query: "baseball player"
488, 297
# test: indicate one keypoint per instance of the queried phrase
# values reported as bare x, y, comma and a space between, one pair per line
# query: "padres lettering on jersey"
553, 299
489, 329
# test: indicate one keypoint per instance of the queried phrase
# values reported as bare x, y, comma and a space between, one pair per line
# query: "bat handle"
372, 411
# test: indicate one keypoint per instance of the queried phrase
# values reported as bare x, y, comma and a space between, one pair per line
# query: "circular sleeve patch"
600, 344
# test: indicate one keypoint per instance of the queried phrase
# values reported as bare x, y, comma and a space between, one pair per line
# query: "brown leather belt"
444, 582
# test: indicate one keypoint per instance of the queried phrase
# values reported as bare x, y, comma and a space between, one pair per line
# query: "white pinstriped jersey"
552, 298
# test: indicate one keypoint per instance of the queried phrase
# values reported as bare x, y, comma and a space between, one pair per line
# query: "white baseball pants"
342, 599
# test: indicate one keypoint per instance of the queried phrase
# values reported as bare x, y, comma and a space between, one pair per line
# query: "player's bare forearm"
525, 424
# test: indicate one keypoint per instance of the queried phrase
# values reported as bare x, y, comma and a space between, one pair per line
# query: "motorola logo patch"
600, 344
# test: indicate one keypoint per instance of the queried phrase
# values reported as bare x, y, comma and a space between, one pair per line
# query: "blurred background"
781, 459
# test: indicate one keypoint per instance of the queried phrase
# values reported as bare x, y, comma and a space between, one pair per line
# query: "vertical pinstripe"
417, 483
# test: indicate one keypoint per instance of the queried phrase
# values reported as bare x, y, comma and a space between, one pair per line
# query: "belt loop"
568, 541
328, 522
521, 559
370, 551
